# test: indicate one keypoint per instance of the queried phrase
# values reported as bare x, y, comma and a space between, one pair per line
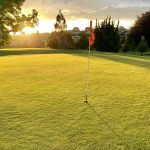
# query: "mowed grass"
42, 94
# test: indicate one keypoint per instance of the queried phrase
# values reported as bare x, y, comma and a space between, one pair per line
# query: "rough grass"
42, 94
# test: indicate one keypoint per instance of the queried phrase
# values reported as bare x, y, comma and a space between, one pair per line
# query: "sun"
28, 30
44, 26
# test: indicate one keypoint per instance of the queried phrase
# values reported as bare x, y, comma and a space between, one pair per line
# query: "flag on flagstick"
91, 42
92, 36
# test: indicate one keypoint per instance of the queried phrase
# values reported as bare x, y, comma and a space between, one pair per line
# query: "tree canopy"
141, 28
107, 38
12, 19
60, 24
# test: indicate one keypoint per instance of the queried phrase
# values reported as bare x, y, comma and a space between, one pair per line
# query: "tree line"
138, 38
107, 37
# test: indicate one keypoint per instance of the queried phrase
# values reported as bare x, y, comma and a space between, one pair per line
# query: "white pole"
88, 72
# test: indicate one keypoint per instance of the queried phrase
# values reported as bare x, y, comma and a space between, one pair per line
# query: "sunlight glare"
47, 26
28, 30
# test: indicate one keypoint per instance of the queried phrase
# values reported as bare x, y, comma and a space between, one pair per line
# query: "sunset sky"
79, 12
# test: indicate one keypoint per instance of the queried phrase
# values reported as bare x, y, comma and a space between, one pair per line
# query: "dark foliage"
60, 40
83, 42
60, 24
141, 28
107, 38
143, 46
126, 45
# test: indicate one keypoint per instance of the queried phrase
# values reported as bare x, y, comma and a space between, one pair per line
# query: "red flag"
92, 36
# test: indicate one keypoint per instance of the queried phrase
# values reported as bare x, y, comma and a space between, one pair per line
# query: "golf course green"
42, 94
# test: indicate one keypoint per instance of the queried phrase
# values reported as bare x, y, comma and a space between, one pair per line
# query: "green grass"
42, 94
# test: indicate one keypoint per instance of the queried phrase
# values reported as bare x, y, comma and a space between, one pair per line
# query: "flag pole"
88, 72
91, 42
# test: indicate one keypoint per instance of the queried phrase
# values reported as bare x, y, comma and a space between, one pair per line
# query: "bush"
60, 40
83, 42
143, 46
126, 46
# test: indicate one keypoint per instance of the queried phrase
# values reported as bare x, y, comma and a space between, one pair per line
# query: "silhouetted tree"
143, 46
141, 28
60, 24
60, 39
12, 19
107, 38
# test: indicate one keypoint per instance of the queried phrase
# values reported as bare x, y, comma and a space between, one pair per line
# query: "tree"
60, 39
143, 46
141, 28
126, 45
12, 19
60, 24
107, 37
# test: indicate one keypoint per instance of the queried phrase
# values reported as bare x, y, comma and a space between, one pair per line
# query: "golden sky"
79, 12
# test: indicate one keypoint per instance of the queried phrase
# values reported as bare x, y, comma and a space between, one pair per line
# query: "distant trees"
35, 40
107, 37
138, 39
12, 20
60, 40
141, 28
64, 40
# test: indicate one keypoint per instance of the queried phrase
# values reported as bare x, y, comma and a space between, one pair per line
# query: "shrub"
126, 46
143, 46
60, 40
83, 42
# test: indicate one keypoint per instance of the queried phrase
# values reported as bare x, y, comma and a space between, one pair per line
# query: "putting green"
42, 94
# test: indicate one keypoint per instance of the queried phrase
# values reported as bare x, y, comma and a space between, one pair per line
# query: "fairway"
42, 94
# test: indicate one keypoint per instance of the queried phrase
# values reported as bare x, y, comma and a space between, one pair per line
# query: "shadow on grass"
140, 61
34, 52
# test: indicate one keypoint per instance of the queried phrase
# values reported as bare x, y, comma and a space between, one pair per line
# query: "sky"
79, 12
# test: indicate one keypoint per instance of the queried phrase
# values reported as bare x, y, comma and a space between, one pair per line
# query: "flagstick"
88, 72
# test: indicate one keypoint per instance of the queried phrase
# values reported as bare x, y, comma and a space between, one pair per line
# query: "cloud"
78, 12
74, 9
